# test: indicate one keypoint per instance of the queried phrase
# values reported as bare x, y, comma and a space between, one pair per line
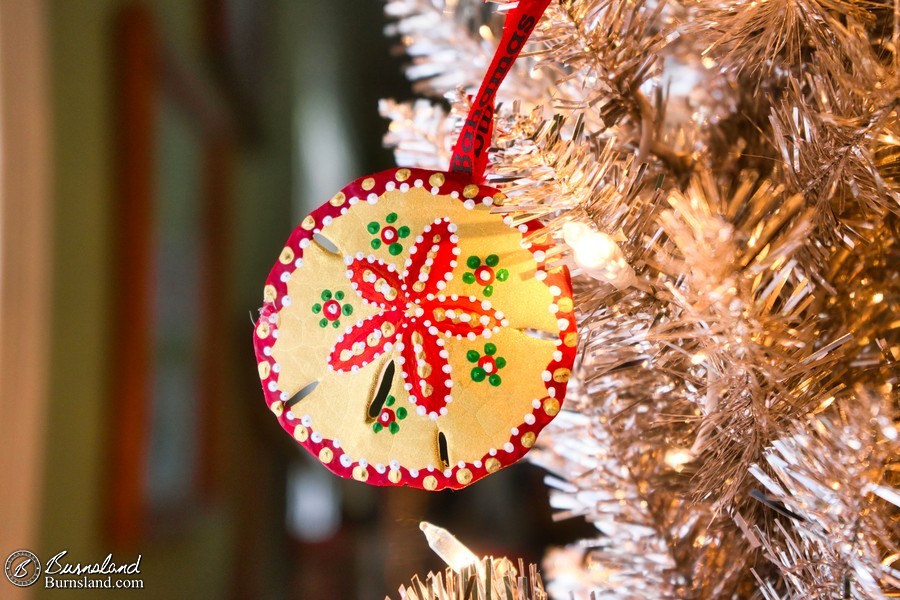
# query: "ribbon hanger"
470, 151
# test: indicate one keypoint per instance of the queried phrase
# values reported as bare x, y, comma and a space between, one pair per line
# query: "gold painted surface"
481, 415
302, 346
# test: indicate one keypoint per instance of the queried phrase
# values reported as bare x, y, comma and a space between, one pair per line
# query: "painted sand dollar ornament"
411, 333
410, 336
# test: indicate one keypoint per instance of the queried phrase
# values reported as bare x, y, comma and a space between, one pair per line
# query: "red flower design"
414, 316
386, 417
332, 310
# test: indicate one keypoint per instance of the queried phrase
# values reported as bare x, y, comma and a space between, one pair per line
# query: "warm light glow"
678, 457
598, 254
486, 34
593, 249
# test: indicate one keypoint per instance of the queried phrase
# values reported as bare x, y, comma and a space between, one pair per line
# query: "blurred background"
155, 157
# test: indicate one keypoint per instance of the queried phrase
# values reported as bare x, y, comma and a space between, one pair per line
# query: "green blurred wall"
203, 562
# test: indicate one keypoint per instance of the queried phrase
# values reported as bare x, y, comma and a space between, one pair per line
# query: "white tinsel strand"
610, 47
631, 555
420, 133
836, 481
450, 45
467, 585
649, 545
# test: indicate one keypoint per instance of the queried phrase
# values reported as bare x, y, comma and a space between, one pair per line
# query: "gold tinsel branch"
764, 37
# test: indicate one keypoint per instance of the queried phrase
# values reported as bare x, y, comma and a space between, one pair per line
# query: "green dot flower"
331, 308
389, 417
487, 365
388, 235
484, 273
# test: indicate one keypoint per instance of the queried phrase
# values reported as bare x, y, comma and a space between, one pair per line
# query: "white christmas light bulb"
451, 550
598, 254
458, 557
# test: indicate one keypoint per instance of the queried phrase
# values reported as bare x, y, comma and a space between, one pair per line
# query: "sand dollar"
407, 340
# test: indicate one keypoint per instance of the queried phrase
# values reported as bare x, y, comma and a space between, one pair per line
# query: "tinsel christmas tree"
726, 174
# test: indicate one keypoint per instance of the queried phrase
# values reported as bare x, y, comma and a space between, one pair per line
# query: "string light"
469, 577
460, 559
678, 457
598, 254
451, 550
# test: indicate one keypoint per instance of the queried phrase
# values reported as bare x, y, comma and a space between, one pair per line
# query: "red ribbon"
471, 150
